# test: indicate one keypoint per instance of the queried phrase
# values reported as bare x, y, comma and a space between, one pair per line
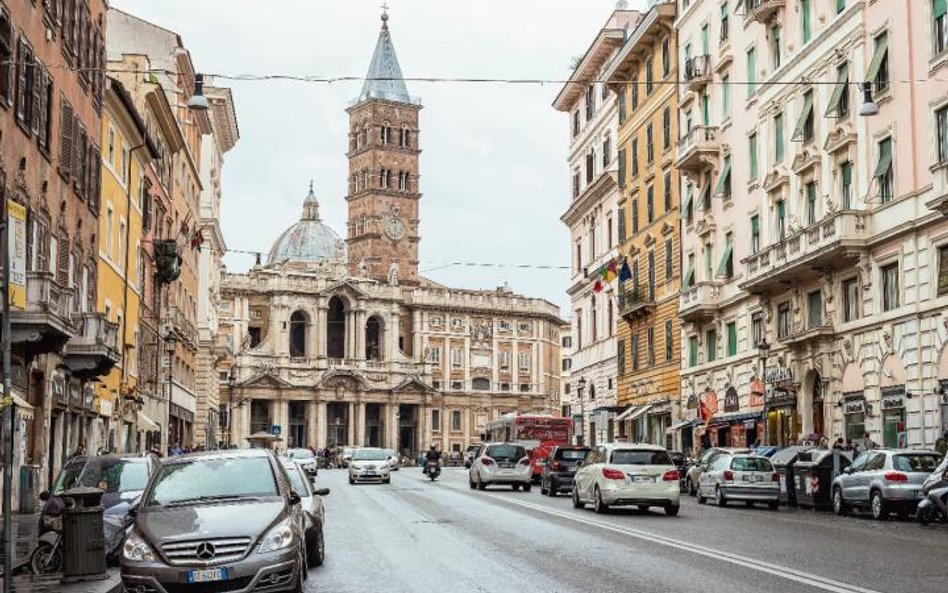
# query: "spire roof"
311, 205
384, 79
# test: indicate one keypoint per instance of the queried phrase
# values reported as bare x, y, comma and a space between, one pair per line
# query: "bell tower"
383, 172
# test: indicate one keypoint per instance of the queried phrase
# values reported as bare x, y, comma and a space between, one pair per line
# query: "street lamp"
198, 102
231, 382
869, 107
580, 387
171, 343
763, 350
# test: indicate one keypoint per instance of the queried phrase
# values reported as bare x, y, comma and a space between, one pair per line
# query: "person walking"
941, 445
868, 444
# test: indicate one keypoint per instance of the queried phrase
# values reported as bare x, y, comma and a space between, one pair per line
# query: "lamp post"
171, 342
231, 382
763, 350
580, 387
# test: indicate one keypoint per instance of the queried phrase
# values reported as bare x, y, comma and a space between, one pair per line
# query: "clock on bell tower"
383, 172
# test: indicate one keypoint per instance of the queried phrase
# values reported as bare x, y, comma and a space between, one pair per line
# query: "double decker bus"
537, 433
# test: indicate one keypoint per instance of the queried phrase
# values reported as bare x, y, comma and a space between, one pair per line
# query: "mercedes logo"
205, 551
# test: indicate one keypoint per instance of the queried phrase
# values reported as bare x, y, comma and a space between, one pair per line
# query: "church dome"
309, 241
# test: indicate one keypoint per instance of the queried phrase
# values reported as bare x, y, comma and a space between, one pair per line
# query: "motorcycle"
934, 507
433, 470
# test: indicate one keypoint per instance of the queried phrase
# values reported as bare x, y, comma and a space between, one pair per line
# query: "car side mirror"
44, 495
294, 497
848, 470
322, 492
133, 510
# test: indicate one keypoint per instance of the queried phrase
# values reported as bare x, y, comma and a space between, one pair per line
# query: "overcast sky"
493, 168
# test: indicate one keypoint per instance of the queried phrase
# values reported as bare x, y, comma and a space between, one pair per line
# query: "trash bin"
784, 461
83, 535
814, 472
29, 484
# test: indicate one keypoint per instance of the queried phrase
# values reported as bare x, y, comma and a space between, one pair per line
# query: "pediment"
346, 379
414, 384
346, 288
840, 138
776, 178
271, 381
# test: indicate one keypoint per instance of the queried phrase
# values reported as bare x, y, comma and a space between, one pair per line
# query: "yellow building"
126, 154
643, 74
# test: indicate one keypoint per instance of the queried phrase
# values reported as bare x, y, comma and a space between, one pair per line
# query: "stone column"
244, 427
417, 349
317, 333
322, 424
466, 418
350, 429
388, 410
347, 349
392, 331
359, 335
280, 417
312, 438
360, 424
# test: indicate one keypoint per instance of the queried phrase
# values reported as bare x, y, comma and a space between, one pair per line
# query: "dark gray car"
225, 521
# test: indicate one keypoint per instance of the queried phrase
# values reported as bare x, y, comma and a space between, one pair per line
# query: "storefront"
659, 420
893, 417
854, 415
782, 423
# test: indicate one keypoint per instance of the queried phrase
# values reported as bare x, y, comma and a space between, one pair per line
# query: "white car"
394, 460
618, 474
369, 464
347, 455
501, 463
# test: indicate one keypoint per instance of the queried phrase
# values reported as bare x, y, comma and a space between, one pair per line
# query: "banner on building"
16, 250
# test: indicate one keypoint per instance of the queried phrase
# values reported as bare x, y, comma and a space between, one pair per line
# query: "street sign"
276, 429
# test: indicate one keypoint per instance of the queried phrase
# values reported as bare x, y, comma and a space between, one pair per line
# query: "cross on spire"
385, 14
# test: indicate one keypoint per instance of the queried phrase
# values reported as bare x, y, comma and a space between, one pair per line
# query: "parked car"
394, 459
694, 471
469, 455
314, 516
347, 453
369, 464
742, 477
215, 520
306, 458
560, 468
501, 464
622, 474
884, 480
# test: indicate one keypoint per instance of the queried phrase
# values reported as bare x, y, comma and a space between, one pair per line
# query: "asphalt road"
415, 536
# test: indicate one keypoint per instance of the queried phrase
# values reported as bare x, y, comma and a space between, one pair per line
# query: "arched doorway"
336, 329
299, 324
373, 339
816, 389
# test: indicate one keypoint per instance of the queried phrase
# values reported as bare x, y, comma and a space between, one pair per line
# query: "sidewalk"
25, 533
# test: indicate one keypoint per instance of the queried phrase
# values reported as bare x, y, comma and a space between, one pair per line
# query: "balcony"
95, 350
637, 303
699, 303
45, 325
178, 322
698, 149
698, 73
814, 333
834, 243
763, 10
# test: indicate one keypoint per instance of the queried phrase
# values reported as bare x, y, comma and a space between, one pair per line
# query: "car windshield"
506, 452
915, 462
751, 464
390, 453
213, 478
296, 481
113, 474
640, 457
301, 454
369, 455
67, 478
572, 454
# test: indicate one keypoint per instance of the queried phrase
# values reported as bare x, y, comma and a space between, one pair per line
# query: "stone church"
342, 342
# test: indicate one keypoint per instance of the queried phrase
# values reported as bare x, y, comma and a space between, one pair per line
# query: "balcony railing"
179, 322
698, 72
698, 148
96, 348
762, 10
45, 295
700, 302
832, 243
639, 300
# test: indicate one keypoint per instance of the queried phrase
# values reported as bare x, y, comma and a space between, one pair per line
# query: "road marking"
777, 570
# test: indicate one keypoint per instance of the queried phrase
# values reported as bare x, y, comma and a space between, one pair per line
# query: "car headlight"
355, 466
278, 538
137, 549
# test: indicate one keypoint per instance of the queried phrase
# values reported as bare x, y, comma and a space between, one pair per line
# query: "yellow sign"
16, 235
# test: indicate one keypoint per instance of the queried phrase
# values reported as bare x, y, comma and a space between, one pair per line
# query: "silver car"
306, 459
394, 459
700, 465
370, 464
314, 516
740, 477
884, 480
501, 463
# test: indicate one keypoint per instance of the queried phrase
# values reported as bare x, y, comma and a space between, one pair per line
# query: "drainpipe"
128, 239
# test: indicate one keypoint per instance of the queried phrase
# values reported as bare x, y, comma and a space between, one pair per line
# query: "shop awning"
19, 402
680, 425
804, 115
146, 424
626, 414
640, 412
842, 86
726, 419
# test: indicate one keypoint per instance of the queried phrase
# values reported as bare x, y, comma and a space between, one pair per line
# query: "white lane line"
777, 570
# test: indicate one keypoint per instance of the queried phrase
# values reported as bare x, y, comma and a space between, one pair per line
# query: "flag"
625, 274
602, 272
708, 406
611, 271
597, 288
197, 240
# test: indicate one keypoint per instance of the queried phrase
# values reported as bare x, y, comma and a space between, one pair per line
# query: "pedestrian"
79, 452
867, 443
941, 445
849, 445
839, 445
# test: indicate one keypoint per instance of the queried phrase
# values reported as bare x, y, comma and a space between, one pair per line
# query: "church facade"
341, 341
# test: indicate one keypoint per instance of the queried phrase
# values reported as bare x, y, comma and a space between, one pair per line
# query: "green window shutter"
778, 137
752, 148
706, 109
621, 100
885, 159
751, 71
722, 180
842, 81
882, 48
622, 168
939, 8
725, 261
687, 201
693, 351
755, 225
731, 339
689, 279
840, 6
847, 172
801, 123
807, 24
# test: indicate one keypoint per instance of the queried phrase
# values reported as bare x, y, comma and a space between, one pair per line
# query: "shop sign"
778, 375
89, 397
59, 390
856, 406
16, 248
75, 393
731, 402
894, 402
692, 402
776, 398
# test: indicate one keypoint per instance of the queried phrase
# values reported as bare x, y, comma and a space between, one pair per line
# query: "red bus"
538, 433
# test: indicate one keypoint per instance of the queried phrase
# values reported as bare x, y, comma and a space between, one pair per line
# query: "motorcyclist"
432, 455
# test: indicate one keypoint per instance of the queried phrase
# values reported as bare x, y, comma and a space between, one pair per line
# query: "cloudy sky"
493, 170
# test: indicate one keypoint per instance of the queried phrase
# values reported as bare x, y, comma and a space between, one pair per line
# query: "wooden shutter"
36, 100
942, 271
42, 108
6, 57
65, 139
62, 263
79, 158
95, 177
21, 79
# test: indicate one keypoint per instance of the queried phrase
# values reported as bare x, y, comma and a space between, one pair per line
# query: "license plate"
751, 478
370, 473
642, 479
207, 576
506, 465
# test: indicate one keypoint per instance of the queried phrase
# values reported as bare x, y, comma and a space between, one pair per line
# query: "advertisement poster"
16, 216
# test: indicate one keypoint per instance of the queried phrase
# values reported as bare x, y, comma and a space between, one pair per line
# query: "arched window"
385, 177
386, 133
405, 137
373, 339
299, 323
336, 329
480, 384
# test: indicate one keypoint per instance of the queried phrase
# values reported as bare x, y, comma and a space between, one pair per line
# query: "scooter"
934, 507
433, 470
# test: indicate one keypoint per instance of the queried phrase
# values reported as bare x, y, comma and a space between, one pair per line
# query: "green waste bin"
83, 535
814, 473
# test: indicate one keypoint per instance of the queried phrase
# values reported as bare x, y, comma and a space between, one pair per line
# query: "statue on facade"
393, 274
363, 269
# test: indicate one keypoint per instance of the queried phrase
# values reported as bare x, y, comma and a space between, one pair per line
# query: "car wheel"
470, 482
351, 481
925, 515
878, 506
839, 506
387, 481
749, 503
316, 555
551, 489
599, 506
719, 497
577, 503
544, 490
691, 488
701, 499
480, 484
672, 510
527, 487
